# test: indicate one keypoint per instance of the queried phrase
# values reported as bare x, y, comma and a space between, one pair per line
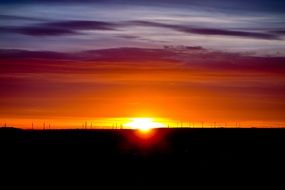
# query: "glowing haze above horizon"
116, 62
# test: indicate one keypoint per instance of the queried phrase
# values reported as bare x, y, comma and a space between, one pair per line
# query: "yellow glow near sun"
144, 124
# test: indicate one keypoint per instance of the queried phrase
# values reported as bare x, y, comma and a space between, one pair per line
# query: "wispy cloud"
59, 28
75, 26
15, 17
209, 31
38, 31
68, 26
82, 25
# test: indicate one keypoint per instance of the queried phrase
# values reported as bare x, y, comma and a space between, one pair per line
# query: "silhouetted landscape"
168, 158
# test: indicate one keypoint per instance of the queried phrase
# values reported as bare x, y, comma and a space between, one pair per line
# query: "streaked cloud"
210, 31
72, 27
82, 25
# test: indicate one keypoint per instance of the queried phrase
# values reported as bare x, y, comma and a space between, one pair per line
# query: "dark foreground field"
127, 159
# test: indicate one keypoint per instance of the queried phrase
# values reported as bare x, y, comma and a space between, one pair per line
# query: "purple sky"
65, 26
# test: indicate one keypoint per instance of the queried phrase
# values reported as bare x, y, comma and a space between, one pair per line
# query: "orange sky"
69, 92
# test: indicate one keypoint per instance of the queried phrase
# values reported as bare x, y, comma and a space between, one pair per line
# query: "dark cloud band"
193, 58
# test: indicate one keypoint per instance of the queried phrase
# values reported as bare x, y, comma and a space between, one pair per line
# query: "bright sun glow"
144, 124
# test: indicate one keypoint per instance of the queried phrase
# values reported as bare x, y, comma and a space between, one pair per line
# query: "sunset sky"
66, 62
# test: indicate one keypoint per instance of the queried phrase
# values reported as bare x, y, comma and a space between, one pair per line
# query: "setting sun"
144, 124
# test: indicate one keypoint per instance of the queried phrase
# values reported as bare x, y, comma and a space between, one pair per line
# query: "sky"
65, 62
